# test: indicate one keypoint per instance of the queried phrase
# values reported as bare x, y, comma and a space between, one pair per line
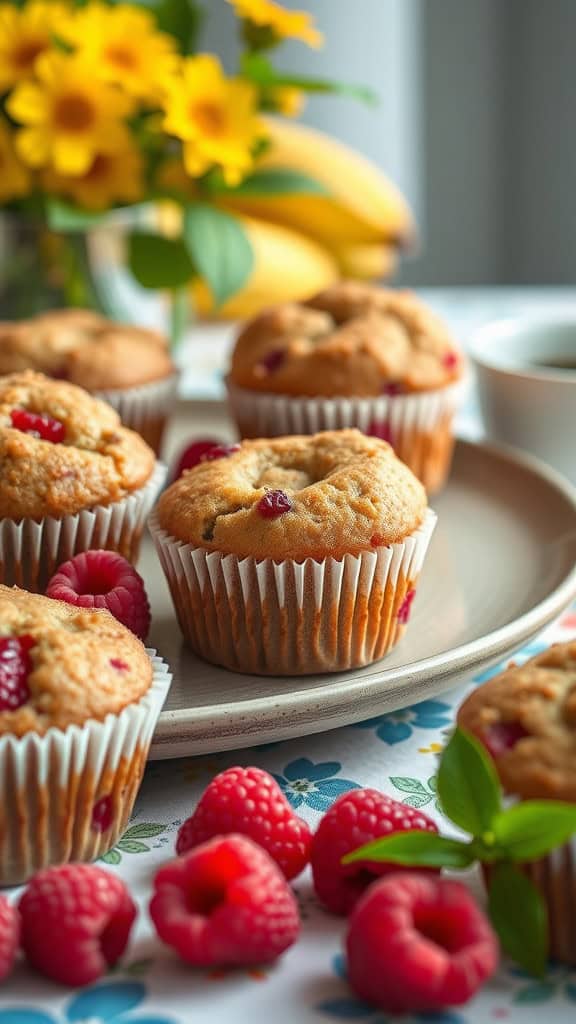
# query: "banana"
361, 205
368, 262
287, 267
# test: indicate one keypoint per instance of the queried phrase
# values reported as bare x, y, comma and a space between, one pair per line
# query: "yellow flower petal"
285, 24
32, 146
27, 103
69, 156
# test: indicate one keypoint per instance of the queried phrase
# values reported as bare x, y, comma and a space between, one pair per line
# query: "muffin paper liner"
555, 877
50, 784
30, 551
145, 408
418, 426
292, 618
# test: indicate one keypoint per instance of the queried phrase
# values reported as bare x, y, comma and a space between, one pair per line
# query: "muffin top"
330, 494
84, 348
526, 717
71, 664
62, 450
353, 339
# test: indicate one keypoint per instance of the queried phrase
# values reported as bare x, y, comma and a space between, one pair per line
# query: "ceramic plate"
502, 564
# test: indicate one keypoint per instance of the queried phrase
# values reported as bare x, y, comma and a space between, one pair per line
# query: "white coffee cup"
526, 374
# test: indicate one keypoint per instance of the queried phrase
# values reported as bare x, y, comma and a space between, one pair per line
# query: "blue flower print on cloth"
304, 782
351, 1007
397, 726
100, 1004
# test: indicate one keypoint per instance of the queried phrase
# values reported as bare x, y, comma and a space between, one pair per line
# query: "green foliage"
220, 249
468, 787
261, 72
158, 262
519, 917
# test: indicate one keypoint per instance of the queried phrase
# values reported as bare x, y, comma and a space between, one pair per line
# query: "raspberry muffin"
130, 367
355, 355
294, 555
79, 699
71, 478
526, 718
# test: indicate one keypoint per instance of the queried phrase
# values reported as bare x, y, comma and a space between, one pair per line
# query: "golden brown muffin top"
353, 339
344, 492
526, 717
96, 462
84, 664
84, 348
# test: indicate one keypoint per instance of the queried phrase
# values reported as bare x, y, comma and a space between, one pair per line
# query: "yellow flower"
25, 35
111, 178
68, 115
124, 46
14, 178
284, 24
214, 116
288, 101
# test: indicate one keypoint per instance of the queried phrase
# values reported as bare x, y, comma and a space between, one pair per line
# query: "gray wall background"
476, 123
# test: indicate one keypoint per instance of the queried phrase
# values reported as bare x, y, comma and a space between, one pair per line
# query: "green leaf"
65, 217
132, 846
259, 70
158, 262
408, 785
276, 181
519, 916
424, 849
532, 828
144, 830
112, 857
417, 801
468, 786
182, 19
219, 248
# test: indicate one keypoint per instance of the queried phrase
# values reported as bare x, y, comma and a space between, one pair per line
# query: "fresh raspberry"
501, 737
103, 579
225, 903
192, 455
354, 819
15, 667
405, 608
43, 427
76, 921
250, 802
419, 943
274, 504
9, 936
273, 360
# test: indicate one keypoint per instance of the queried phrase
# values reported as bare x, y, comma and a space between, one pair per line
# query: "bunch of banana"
302, 242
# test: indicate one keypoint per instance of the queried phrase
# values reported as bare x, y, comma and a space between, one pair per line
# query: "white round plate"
502, 564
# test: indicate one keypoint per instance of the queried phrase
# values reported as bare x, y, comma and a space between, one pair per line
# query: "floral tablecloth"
396, 753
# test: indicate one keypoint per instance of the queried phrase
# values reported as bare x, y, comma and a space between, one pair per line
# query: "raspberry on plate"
225, 903
9, 936
419, 943
250, 802
76, 921
354, 819
15, 667
103, 579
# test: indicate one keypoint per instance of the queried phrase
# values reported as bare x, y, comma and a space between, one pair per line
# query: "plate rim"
447, 663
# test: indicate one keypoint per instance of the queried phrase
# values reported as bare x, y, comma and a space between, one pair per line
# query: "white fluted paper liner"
145, 408
418, 425
291, 618
50, 784
30, 551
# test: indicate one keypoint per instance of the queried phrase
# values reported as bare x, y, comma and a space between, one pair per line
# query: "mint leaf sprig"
470, 795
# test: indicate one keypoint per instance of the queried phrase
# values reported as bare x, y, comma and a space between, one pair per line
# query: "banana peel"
288, 266
368, 262
360, 204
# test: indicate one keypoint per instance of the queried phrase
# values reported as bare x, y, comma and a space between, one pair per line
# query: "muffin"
71, 478
79, 699
355, 355
294, 555
129, 367
526, 718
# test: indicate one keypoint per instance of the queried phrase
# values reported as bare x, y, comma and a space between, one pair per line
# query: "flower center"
74, 113
99, 169
302, 786
122, 57
26, 53
209, 117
